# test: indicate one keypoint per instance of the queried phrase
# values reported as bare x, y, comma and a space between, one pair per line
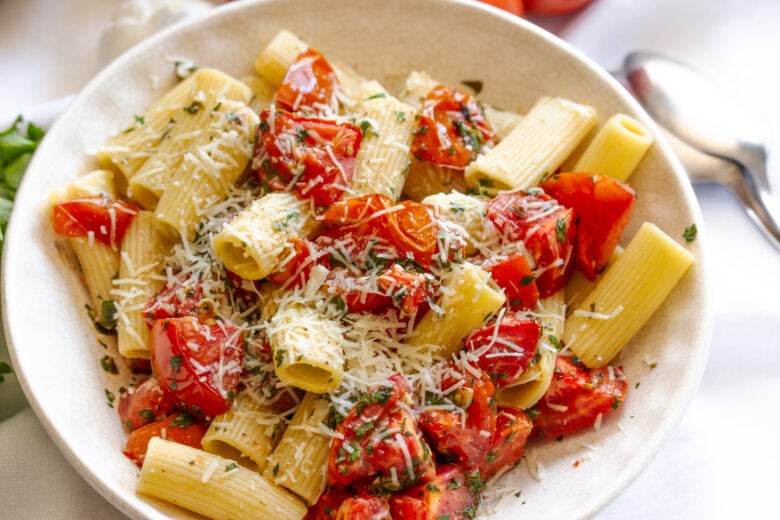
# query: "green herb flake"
175, 362
5, 369
107, 364
560, 229
690, 233
110, 397
147, 414
182, 420
194, 108
379, 95
230, 467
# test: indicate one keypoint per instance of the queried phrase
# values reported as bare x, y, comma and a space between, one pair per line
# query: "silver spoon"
715, 140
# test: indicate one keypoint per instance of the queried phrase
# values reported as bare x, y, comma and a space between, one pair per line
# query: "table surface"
720, 462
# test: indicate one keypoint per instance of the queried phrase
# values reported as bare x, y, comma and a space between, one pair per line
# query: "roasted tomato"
547, 230
505, 348
198, 364
328, 504
180, 428
182, 297
309, 85
451, 130
408, 290
378, 438
512, 430
467, 441
316, 156
511, 6
450, 495
578, 397
515, 277
144, 403
603, 206
297, 269
364, 508
357, 293
107, 220
554, 7
408, 226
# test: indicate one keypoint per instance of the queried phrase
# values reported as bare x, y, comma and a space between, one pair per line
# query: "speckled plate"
53, 344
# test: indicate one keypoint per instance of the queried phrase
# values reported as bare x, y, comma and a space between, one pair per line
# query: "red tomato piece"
364, 508
511, 6
180, 298
547, 230
505, 348
309, 84
408, 290
512, 430
577, 396
357, 293
328, 504
297, 269
467, 441
198, 364
554, 7
449, 495
144, 403
378, 438
409, 226
179, 428
316, 155
515, 277
106, 219
451, 129
603, 206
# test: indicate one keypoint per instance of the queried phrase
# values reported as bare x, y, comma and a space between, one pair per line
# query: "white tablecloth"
721, 462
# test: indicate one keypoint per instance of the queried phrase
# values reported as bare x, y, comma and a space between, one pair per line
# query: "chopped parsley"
690, 233
175, 362
107, 363
560, 229
5, 369
194, 108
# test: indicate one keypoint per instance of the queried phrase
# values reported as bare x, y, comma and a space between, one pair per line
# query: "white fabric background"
721, 462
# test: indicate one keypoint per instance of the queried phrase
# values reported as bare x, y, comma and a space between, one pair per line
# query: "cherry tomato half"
106, 219
144, 403
515, 277
554, 7
180, 428
577, 396
603, 206
309, 83
451, 130
448, 495
198, 364
505, 348
317, 155
512, 430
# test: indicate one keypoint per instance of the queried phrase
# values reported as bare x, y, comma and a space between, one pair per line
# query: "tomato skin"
358, 454
177, 428
585, 393
176, 364
451, 129
79, 217
515, 277
554, 7
309, 81
512, 430
175, 300
448, 495
298, 267
505, 363
409, 290
604, 207
445, 429
328, 504
410, 227
143, 404
296, 156
512, 6
364, 508
547, 230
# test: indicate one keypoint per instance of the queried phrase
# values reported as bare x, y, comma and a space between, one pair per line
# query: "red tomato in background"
577, 396
144, 403
107, 219
511, 6
449, 495
512, 430
445, 428
179, 428
310, 81
359, 452
603, 206
451, 129
408, 226
198, 364
554, 7
505, 348
317, 155
515, 277
364, 508
547, 229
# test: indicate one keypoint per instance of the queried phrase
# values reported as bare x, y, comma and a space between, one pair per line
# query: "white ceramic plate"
53, 344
